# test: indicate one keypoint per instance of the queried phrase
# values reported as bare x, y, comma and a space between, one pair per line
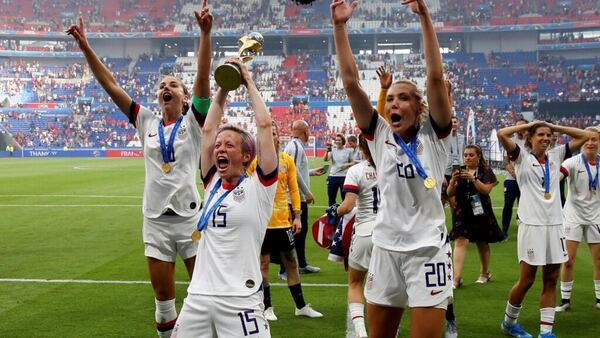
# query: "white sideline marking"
90, 281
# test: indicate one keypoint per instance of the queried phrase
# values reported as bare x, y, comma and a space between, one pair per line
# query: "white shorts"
541, 245
166, 236
360, 252
222, 316
578, 232
419, 278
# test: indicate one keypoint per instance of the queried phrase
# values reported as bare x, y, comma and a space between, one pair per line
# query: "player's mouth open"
167, 97
222, 162
395, 117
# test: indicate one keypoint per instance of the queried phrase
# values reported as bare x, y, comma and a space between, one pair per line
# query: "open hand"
341, 11
385, 77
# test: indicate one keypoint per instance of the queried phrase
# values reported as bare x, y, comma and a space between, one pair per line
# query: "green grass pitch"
80, 220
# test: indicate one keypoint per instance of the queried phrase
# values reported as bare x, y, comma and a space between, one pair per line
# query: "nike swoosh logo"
580, 171
434, 292
151, 135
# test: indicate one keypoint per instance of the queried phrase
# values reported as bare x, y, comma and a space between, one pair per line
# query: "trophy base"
228, 76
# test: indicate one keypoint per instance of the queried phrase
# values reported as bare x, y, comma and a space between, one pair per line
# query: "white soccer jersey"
228, 259
177, 189
410, 216
361, 179
533, 208
581, 207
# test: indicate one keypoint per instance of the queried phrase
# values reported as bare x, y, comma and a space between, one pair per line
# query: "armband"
201, 104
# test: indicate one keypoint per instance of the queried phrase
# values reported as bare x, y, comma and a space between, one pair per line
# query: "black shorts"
278, 240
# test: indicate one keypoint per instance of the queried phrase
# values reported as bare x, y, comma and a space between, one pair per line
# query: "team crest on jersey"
420, 147
182, 130
283, 169
239, 194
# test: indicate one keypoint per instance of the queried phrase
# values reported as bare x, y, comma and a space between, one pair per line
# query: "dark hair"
531, 131
352, 138
362, 144
342, 137
479, 153
248, 143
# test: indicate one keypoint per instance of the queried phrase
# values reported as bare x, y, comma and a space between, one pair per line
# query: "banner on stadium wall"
125, 153
61, 153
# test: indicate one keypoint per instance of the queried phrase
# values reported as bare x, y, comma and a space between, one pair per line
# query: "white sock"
512, 313
357, 313
546, 319
565, 290
166, 316
349, 326
597, 288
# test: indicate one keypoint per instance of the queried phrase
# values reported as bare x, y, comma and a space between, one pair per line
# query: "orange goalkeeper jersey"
287, 190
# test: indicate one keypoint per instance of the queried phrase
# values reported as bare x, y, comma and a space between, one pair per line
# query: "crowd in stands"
177, 15
490, 86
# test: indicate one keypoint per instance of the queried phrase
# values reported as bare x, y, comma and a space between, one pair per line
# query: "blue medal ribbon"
545, 173
593, 183
210, 209
412, 154
167, 150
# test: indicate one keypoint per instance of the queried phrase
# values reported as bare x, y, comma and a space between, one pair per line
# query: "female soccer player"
224, 298
581, 215
410, 262
172, 156
474, 219
341, 159
361, 192
540, 240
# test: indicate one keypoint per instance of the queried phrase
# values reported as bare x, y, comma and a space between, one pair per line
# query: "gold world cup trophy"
229, 76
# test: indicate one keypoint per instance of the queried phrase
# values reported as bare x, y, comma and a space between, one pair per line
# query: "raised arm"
504, 136
579, 136
385, 82
204, 19
265, 148
437, 94
209, 130
359, 100
101, 72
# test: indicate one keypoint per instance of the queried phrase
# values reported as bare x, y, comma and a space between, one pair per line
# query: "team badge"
531, 254
239, 194
182, 130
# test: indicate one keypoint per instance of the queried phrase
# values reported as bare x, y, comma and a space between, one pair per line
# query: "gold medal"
166, 168
547, 195
429, 183
196, 235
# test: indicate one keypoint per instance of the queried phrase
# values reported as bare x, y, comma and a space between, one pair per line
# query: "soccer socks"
597, 289
450, 312
565, 291
267, 297
511, 313
296, 291
357, 313
546, 319
166, 316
